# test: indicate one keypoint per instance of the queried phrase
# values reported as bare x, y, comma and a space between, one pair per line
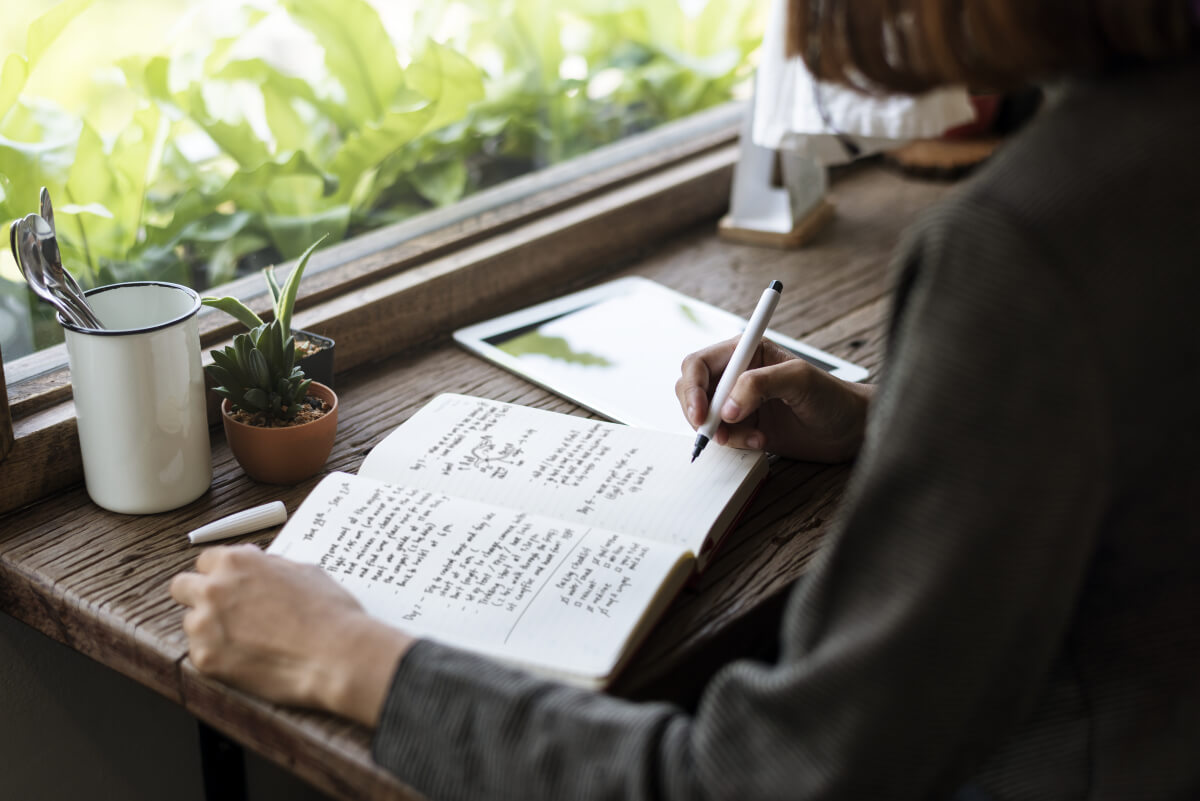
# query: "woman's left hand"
287, 632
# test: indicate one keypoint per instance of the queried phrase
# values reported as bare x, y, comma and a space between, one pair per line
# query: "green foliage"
228, 160
258, 373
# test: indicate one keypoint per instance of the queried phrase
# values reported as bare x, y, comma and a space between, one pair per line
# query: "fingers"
693, 385
214, 557
787, 381
204, 633
698, 378
701, 370
186, 588
189, 588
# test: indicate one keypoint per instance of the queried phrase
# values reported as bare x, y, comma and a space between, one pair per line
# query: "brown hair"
914, 45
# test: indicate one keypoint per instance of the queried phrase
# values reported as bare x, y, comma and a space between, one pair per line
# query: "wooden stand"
943, 159
801, 232
761, 212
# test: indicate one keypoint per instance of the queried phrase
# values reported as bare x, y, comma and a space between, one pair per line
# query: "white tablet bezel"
475, 339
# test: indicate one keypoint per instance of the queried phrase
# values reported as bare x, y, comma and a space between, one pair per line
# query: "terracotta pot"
284, 455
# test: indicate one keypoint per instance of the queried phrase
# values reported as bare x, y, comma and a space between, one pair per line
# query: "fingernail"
730, 409
691, 413
754, 442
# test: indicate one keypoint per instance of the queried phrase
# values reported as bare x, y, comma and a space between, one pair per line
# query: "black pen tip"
701, 441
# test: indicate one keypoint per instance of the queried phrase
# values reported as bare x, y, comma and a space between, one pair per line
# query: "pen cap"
259, 517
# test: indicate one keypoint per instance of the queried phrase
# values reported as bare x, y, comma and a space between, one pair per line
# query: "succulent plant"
258, 373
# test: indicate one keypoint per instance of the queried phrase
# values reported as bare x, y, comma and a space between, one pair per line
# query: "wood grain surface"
97, 581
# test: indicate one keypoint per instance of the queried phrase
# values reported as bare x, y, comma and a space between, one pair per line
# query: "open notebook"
537, 538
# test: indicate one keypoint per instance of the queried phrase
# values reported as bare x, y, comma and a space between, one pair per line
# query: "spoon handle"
86, 317
46, 209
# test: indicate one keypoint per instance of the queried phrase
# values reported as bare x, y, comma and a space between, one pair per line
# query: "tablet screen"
617, 351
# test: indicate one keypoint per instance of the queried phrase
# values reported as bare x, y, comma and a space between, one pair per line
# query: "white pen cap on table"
244, 522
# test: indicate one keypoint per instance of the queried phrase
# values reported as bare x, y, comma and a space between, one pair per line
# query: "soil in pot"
284, 454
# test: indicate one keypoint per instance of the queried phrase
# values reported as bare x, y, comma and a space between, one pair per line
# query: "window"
198, 141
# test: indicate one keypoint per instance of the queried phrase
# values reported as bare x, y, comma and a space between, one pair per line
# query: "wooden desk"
97, 581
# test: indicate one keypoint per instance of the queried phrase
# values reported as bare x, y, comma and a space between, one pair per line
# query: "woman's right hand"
781, 403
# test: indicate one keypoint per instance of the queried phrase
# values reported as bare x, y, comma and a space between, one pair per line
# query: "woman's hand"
781, 403
287, 632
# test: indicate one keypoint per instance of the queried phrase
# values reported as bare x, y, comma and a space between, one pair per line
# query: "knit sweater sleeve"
931, 619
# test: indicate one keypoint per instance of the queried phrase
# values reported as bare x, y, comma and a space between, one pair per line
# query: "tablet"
616, 348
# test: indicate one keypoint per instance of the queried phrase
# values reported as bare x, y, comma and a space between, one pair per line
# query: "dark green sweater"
1012, 596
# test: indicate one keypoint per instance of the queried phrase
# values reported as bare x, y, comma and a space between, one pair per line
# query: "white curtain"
786, 116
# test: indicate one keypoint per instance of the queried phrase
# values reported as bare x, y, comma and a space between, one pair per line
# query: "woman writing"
1008, 607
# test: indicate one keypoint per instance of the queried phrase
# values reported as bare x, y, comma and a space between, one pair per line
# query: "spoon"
12, 243
55, 278
28, 257
45, 208
53, 254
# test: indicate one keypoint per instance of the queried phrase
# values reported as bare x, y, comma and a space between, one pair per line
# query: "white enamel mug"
139, 398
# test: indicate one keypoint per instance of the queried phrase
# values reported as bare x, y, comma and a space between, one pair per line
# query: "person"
1007, 608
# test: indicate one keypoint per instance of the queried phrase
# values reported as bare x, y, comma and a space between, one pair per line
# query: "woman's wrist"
355, 673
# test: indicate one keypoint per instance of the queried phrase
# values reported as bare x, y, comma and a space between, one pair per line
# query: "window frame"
560, 228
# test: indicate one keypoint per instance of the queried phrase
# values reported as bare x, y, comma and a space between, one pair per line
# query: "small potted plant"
315, 352
280, 424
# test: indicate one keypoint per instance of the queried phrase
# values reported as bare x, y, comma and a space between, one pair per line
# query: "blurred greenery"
194, 142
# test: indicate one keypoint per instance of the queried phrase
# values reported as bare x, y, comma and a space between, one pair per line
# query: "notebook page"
516, 586
583, 471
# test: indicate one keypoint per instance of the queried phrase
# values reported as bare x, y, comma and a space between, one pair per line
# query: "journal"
541, 539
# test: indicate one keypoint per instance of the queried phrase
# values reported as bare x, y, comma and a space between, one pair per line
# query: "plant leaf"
287, 295
273, 285
243, 345
441, 183
289, 232
449, 79
133, 160
91, 181
293, 186
226, 359
234, 308
289, 356
220, 376
46, 28
260, 371
256, 399
12, 80
275, 82
364, 148
358, 51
